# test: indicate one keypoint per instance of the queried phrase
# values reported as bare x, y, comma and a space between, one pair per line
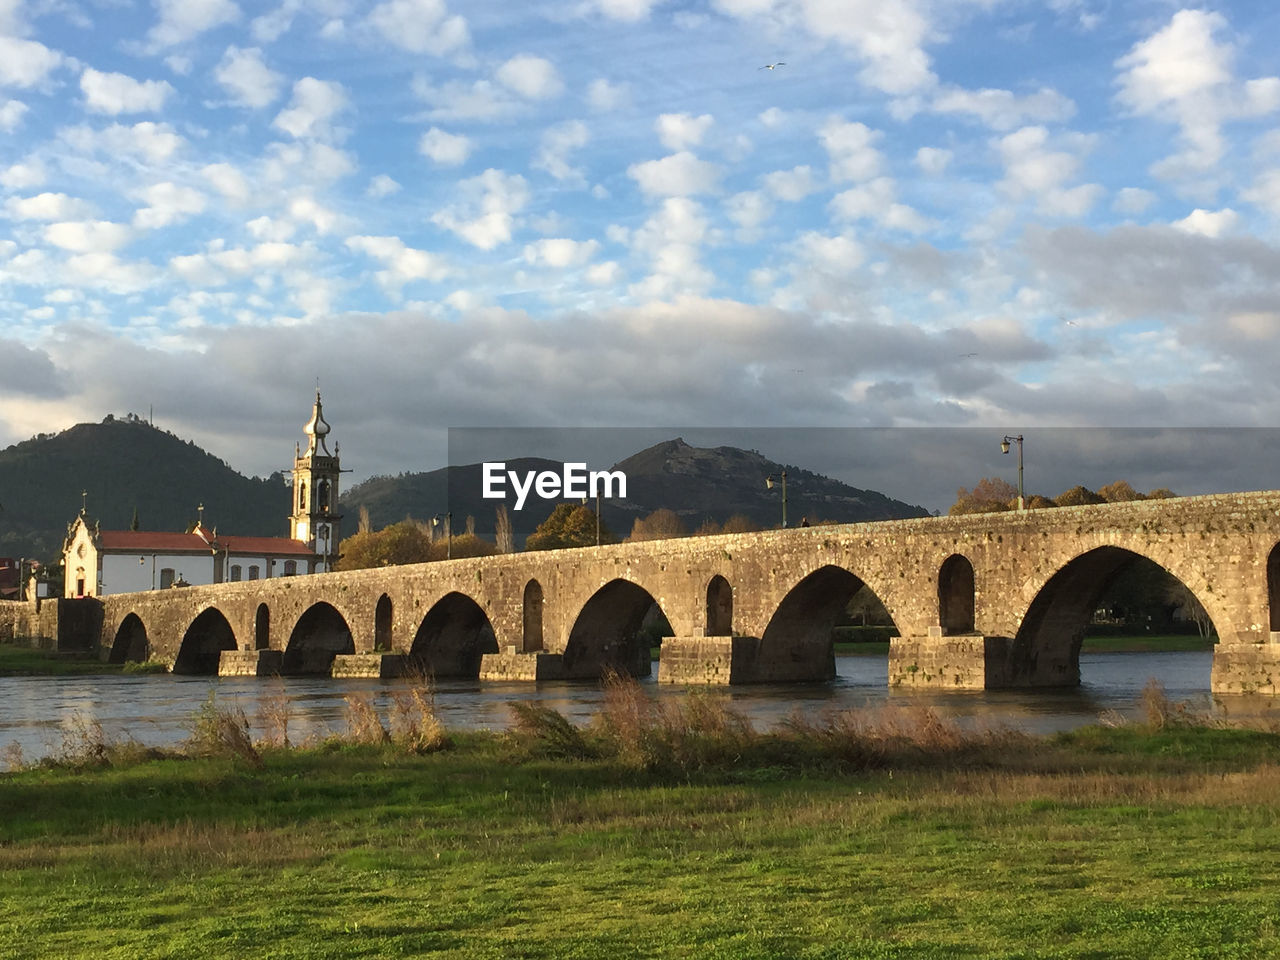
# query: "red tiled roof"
148, 541
151, 541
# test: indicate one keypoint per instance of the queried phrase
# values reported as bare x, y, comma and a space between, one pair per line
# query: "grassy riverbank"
19, 661
1138, 643
673, 834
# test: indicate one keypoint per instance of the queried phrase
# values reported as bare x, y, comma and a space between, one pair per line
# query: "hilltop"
123, 464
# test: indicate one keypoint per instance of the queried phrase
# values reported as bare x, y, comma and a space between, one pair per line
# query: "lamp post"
769, 482
1004, 448
448, 532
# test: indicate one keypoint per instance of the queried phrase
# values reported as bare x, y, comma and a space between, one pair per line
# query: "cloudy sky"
1005, 214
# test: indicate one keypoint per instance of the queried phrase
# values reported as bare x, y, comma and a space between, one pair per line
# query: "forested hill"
123, 465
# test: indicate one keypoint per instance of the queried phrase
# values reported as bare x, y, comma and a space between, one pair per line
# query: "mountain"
122, 465
697, 483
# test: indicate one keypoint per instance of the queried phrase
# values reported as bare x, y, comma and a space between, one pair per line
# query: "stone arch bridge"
996, 600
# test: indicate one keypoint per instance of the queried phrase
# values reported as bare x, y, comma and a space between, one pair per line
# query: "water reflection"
156, 710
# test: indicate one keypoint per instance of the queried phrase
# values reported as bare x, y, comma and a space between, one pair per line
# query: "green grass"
19, 661
1145, 643
1096, 844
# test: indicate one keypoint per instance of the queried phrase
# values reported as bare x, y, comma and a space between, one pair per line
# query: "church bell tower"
315, 491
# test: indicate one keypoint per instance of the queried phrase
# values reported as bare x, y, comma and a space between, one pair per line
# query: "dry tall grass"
222, 732
414, 723
363, 723
273, 714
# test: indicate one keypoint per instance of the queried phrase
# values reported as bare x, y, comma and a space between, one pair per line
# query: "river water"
157, 709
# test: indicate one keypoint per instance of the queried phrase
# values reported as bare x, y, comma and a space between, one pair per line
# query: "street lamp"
448, 531
769, 482
1004, 448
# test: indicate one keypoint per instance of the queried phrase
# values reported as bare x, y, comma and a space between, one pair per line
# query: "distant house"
100, 562
10, 587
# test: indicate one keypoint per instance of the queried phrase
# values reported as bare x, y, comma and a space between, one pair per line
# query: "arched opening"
615, 630
799, 642
452, 638
382, 624
1116, 597
262, 628
532, 637
319, 635
1273, 586
719, 608
203, 643
130, 644
955, 595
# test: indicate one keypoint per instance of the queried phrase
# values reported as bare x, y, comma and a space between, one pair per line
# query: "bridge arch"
1273, 588
453, 636
320, 634
606, 634
1046, 648
719, 619
203, 642
956, 595
262, 628
797, 643
382, 624
531, 634
130, 644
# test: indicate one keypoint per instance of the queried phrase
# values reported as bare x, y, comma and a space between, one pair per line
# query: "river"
156, 709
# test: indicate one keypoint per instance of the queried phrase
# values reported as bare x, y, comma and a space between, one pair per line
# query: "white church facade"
100, 562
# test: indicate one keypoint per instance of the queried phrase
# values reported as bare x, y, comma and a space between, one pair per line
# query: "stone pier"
250, 663
513, 665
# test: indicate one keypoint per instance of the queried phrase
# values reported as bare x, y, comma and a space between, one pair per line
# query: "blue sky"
936, 213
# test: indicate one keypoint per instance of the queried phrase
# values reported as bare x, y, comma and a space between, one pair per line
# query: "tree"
504, 535
570, 525
991, 495
1077, 496
1119, 492
662, 524
463, 545
404, 542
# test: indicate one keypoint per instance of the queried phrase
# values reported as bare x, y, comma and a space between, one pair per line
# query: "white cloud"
228, 181
1004, 110
1208, 223
851, 149
420, 26
773, 117
307, 162
46, 206
679, 131
382, 186
603, 95
672, 238
628, 11
557, 143
183, 20
485, 215
791, 185
1133, 200
453, 101
306, 209
105, 271
167, 203
246, 76
533, 78
11, 114
270, 231
310, 113
115, 93
1182, 73
875, 200
26, 63
443, 148
22, 176
1265, 192
838, 255
748, 209
933, 160
678, 175
88, 236
603, 274
151, 142
402, 264
1033, 168
560, 252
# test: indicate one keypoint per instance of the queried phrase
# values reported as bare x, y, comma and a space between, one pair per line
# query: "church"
101, 562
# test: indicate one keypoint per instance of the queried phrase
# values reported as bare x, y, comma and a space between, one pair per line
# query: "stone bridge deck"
979, 601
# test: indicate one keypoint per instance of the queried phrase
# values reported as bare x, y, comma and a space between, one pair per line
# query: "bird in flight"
774, 66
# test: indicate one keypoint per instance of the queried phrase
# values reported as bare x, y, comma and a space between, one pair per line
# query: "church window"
253, 571
235, 572
166, 578
290, 567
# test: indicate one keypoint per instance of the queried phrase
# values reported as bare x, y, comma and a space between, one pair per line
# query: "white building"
98, 562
